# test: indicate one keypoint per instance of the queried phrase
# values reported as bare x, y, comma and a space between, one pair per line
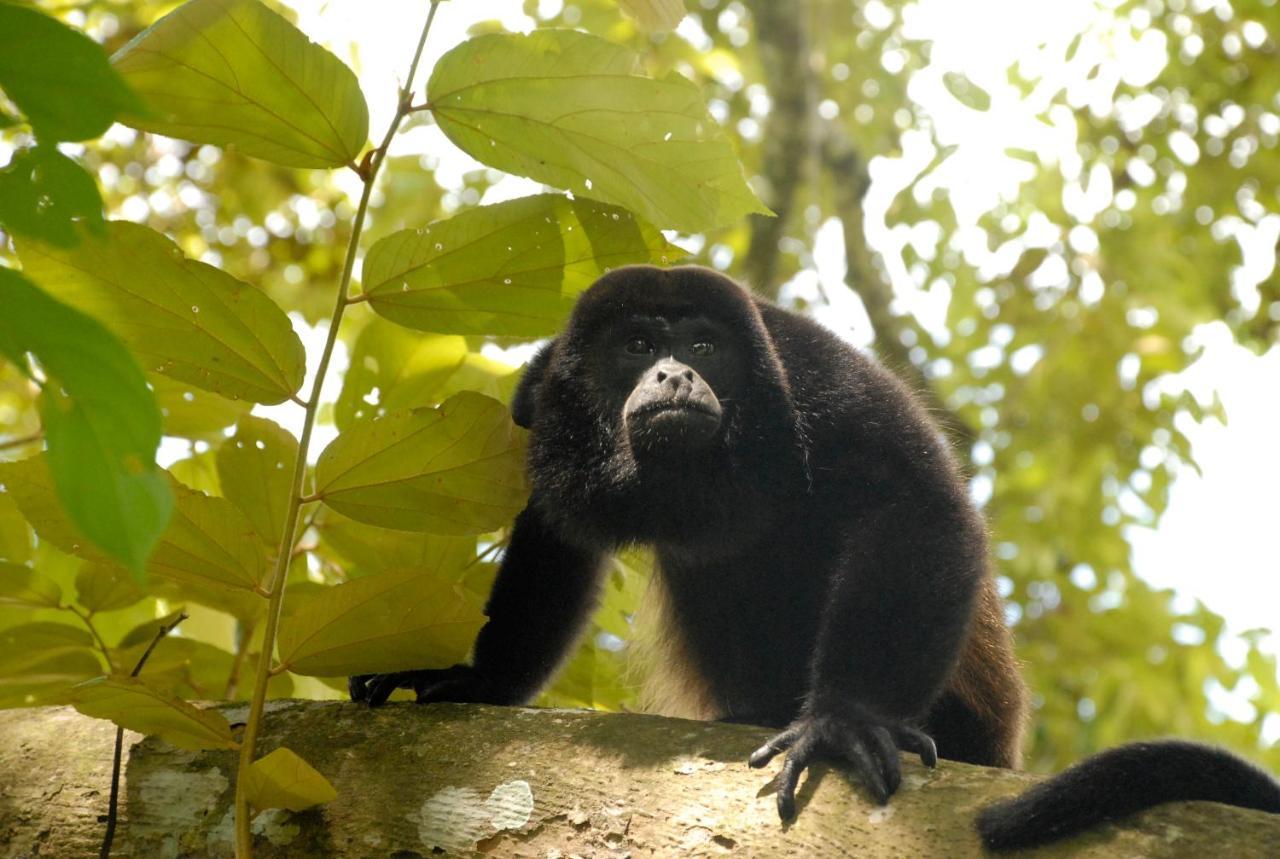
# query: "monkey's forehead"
668, 293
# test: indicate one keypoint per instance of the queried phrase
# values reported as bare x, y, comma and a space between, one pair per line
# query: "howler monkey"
822, 567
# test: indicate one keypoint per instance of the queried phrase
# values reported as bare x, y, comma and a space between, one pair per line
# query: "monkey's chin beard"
671, 427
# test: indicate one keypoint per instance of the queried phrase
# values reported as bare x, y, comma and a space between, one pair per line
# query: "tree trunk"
463, 779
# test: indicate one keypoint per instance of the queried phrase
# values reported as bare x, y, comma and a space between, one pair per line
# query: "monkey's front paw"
460, 683
870, 747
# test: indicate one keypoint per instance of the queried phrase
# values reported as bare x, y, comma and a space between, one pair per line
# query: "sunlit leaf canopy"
1030, 229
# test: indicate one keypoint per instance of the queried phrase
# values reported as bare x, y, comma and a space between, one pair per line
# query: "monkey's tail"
1121, 781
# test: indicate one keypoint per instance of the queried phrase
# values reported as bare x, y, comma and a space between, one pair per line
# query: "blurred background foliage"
1036, 283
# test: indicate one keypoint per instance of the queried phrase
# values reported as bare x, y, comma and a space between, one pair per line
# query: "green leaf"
28, 483
284, 780
389, 622
23, 586
513, 268
185, 319
454, 469
1030, 260
209, 542
393, 368
25, 649
16, 542
38, 661
138, 705
236, 74
255, 470
966, 91
654, 15
102, 587
58, 77
198, 471
100, 420
364, 549
42, 191
190, 412
573, 111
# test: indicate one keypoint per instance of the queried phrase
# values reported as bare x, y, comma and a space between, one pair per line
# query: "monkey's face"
670, 379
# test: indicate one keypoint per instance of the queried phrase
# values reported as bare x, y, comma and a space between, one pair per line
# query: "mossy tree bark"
460, 779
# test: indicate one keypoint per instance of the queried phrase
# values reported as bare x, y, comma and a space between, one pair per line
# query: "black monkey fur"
824, 569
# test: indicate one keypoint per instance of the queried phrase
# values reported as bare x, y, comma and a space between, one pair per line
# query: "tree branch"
850, 181
787, 154
506, 781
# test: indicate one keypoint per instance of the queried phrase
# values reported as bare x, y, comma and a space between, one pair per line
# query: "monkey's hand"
461, 683
871, 747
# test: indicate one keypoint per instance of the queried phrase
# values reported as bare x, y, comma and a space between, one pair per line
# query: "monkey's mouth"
676, 408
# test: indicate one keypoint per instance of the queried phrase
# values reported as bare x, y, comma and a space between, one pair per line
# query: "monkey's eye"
703, 348
638, 346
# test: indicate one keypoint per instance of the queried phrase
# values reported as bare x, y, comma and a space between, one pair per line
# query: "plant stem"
113, 804
21, 440
87, 620
368, 173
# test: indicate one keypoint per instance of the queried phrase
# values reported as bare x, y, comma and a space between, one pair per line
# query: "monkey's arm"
544, 593
891, 630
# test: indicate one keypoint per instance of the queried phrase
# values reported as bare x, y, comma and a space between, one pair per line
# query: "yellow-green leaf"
454, 469
393, 368
208, 542
191, 412
24, 586
654, 15
16, 541
183, 318
574, 111
236, 74
27, 649
966, 91
102, 587
366, 549
38, 661
393, 621
137, 704
255, 470
284, 780
513, 268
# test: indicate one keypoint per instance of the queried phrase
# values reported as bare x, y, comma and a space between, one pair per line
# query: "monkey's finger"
358, 687
796, 762
918, 742
777, 743
435, 690
866, 765
381, 687
886, 755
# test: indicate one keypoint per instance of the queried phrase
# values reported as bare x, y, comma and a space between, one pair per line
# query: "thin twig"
87, 619
368, 171
113, 802
21, 440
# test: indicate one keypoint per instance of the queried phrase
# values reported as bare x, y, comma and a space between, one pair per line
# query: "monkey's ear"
525, 402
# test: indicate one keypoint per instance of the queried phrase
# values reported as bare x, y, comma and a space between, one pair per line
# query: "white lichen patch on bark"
455, 818
880, 815
277, 826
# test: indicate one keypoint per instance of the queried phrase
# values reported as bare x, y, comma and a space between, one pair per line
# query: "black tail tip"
1000, 827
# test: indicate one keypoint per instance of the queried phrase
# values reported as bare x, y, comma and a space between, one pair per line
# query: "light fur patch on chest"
670, 685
